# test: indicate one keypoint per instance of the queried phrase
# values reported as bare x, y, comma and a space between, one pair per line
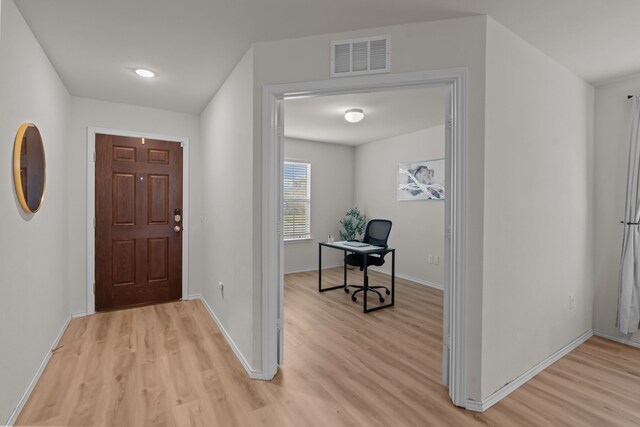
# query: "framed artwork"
422, 180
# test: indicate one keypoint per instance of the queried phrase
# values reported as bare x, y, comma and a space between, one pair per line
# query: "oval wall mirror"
29, 167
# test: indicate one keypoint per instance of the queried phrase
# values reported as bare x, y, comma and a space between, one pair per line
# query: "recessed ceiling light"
144, 73
354, 115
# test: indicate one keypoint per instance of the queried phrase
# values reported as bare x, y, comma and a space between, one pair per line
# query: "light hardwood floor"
168, 364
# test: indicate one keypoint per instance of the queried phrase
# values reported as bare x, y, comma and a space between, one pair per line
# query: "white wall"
418, 226
538, 220
415, 47
613, 125
228, 202
34, 302
93, 113
332, 184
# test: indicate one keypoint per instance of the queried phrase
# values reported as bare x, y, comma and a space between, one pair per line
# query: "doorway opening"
453, 375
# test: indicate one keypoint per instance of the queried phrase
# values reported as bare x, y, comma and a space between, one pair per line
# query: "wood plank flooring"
169, 365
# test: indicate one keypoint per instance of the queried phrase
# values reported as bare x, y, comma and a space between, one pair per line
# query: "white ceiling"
194, 44
387, 114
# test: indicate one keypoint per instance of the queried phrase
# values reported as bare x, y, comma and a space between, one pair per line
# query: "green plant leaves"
353, 225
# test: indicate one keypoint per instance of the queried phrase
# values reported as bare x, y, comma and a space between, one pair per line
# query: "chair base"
359, 288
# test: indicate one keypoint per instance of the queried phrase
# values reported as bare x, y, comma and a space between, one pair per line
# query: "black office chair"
376, 234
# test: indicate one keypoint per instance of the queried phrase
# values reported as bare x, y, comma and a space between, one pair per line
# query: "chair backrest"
377, 232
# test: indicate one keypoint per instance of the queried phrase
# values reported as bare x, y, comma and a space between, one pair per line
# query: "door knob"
177, 228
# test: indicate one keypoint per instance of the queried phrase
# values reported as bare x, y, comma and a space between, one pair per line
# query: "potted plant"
353, 225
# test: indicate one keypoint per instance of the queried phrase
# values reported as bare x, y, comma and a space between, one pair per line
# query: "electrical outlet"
436, 260
572, 301
430, 259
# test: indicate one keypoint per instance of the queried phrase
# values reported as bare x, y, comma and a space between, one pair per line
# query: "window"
297, 200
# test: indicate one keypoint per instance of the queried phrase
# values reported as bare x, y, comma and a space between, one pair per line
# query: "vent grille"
379, 54
360, 56
342, 58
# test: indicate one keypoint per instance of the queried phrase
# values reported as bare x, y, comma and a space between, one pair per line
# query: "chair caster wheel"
381, 300
388, 292
346, 290
354, 299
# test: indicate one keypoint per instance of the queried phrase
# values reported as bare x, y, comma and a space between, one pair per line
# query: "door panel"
138, 252
159, 156
123, 199
124, 262
158, 259
158, 210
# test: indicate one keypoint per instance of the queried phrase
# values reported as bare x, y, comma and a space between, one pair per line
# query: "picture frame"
421, 180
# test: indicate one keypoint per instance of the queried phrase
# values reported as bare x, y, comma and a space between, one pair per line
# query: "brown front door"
138, 247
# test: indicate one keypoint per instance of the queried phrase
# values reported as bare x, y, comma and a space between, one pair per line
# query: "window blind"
297, 200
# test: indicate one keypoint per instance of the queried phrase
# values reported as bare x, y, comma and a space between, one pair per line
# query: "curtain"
629, 292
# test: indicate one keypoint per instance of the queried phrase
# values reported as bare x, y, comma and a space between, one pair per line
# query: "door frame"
91, 204
454, 336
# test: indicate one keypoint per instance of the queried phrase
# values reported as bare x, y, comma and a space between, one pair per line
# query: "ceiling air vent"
361, 56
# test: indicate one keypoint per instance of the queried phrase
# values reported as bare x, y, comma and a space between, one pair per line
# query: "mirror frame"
17, 179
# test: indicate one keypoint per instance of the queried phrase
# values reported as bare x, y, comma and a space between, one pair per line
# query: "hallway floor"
169, 364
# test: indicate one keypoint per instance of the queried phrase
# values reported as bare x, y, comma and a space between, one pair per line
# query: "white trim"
306, 270
621, 340
91, 179
294, 241
509, 388
78, 314
254, 374
421, 282
272, 236
272, 247
14, 415
456, 261
415, 280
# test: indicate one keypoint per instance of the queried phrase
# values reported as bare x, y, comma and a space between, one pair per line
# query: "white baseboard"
507, 389
78, 314
412, 279
36, 377
254, 374
313, 269
622, 340
420, 282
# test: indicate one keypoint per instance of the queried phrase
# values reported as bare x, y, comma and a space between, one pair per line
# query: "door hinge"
182, 145
94, 223
94, 157
449, 122
94, 288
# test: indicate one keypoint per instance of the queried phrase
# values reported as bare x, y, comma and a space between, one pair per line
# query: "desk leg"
319, 268
393, 285
366, 283
320, 273
344, 262
393, 277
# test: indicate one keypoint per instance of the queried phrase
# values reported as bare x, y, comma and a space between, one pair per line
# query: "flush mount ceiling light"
354, 115
142, 72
